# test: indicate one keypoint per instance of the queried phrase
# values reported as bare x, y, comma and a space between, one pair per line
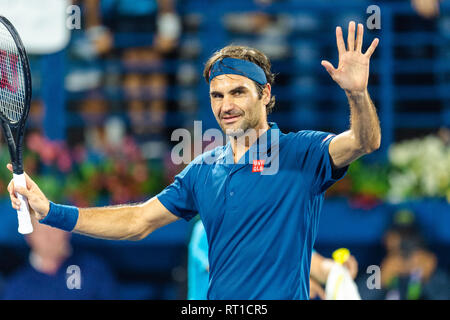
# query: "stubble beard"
244, 126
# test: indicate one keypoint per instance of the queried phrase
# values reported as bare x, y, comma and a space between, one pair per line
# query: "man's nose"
228, 104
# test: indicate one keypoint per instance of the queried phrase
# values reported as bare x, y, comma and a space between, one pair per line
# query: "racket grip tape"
23, 214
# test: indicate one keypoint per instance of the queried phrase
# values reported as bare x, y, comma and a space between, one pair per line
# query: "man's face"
236, 104
49, 242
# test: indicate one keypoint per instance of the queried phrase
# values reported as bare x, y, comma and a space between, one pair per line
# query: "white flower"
421, 168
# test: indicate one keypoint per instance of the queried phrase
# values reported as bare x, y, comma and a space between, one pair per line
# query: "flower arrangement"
365, 184
85, 177
417, 168
420, 168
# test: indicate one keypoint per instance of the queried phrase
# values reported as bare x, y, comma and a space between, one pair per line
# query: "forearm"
320, 268
115, 222
364, 123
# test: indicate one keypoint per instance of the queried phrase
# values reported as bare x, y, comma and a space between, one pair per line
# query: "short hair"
249, 54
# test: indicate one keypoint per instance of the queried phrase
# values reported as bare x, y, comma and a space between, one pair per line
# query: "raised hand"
352, 73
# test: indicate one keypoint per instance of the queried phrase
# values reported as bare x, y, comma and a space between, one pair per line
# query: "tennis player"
260, 227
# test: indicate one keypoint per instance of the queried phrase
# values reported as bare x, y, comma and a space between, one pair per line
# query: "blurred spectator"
46, 275
272, 31
320, 270
409, 271
198, 264
94, 111
426, 8
36, 115
139, 35
107, 17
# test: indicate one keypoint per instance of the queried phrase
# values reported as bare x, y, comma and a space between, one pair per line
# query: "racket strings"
12, 84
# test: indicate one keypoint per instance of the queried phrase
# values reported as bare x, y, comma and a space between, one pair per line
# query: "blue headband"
240, 67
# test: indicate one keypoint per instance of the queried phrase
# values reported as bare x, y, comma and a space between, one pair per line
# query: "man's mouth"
230, 119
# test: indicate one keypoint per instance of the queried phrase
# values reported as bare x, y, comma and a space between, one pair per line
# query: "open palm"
352, 73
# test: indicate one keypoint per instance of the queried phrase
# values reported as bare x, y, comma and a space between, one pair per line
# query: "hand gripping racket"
15, 96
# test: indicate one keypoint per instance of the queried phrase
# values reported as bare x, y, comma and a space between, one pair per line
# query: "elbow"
139, 235
377, 144
373, 146
139, 227
141, 232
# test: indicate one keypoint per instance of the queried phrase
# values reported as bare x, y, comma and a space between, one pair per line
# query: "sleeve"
314, 158
178, 197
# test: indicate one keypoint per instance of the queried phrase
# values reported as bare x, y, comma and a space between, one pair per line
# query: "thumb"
10, 167
328, 66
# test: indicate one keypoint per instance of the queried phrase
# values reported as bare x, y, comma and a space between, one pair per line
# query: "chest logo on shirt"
258, 165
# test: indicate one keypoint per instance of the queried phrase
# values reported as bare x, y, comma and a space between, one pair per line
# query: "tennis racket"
15, 96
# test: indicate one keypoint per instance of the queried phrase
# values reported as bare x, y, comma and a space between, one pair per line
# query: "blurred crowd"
409, 269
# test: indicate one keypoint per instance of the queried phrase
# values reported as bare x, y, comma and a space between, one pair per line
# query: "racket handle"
23, 214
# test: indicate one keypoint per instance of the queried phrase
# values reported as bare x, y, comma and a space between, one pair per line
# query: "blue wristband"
61, 217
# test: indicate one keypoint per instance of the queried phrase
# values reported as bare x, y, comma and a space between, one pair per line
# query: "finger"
10, 167
328, 66
321, 294
15, 203
372, 47
340, 41
10, 187
12, 195
30, 183
352, 265
359, 37
21, 190
351, 36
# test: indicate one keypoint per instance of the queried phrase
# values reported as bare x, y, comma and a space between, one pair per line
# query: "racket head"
15, 89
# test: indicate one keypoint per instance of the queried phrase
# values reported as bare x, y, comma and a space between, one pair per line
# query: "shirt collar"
262, 145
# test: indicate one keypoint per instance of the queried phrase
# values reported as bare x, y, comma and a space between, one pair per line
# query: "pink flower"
35, 142
64, 162
79, 153
47, 152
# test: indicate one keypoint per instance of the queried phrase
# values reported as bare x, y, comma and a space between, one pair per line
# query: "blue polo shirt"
261, 225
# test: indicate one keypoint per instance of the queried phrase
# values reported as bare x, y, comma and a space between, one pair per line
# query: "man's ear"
267, 94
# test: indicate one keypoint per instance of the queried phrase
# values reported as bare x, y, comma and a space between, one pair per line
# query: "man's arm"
123, 222
321, 266
364, 135
127, 222
352, 75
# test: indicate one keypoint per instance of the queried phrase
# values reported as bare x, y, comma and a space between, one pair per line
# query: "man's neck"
241, 144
